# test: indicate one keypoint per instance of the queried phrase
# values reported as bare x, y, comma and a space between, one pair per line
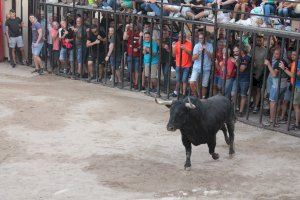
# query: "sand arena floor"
65, 139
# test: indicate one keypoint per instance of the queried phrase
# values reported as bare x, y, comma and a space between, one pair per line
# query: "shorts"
64, 53
117, 61
218, 82
243, 88
182, 74
55, 55
93, 57
81, 55
257, 82
228, 86
154, 68
274, 93
288, 93
297, 96
37, 50
135, 61
13, 41
196, 74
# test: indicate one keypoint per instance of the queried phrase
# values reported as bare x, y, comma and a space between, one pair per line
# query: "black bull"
199, 122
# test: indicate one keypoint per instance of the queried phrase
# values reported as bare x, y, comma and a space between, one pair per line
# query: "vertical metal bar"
225, 62
279, 83
294, 86
202, 63
83, 42
151, 56
106, 47
251, 76
140, 79
74, 42
180, 59
98, 51
46, 36
122, 55
212, 74
262, 94
238, 72
132, 57
115, 42
170, 59
160, 48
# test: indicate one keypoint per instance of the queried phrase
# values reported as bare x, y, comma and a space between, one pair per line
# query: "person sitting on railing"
227, 5
151, 7
269, 8
240, 6
295, 11
275, 71
285, 9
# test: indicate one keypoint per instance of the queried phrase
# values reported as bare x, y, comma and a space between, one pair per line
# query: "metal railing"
233, 35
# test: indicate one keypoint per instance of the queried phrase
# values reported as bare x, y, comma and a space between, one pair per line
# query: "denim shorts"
135, 62
196, 74
274, 93
218, 81
182, 74
288, 93
228, 86
64, 53
80, 54
37, 50
13, 41
118, 61
243, 88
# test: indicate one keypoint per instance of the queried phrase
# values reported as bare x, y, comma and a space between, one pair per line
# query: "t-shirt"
70, 35
93, 49
186, 59
207, 60
245, 75
133, 40
35, 27
55, 41
231, 69
259, 65
80, 36
14, 27
298, 78
165, 54
284, 76
117, 46
147, 57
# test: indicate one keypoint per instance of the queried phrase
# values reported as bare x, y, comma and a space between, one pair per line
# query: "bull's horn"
189, 104
162, 102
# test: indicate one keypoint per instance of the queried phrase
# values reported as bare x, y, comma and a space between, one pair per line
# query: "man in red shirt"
182, 51
131, 34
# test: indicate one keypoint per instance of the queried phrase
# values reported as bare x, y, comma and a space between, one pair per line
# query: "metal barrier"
233, 35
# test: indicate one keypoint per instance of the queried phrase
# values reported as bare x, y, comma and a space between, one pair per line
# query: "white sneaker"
232, 21
139, 13
108, 8
134, 11
151, 14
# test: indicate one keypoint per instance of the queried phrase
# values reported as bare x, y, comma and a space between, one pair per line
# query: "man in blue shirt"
199, 49
151, 58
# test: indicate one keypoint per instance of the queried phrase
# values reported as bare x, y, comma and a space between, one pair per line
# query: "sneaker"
154, 90
282, 121
269, 124
35, 71
174, 94
139, 13
151, 14
134, 11
255, 110
240, 114
13, 65
232, 21
41, 71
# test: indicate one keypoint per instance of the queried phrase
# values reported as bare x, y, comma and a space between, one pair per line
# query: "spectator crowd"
85, 46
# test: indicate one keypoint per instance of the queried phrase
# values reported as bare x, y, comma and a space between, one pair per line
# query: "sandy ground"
65, 139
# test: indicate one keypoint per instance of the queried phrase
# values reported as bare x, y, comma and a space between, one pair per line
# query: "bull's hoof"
215, 156
227, 141
231, 151
187, 166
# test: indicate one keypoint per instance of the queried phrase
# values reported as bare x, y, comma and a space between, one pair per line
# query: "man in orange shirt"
182, 51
